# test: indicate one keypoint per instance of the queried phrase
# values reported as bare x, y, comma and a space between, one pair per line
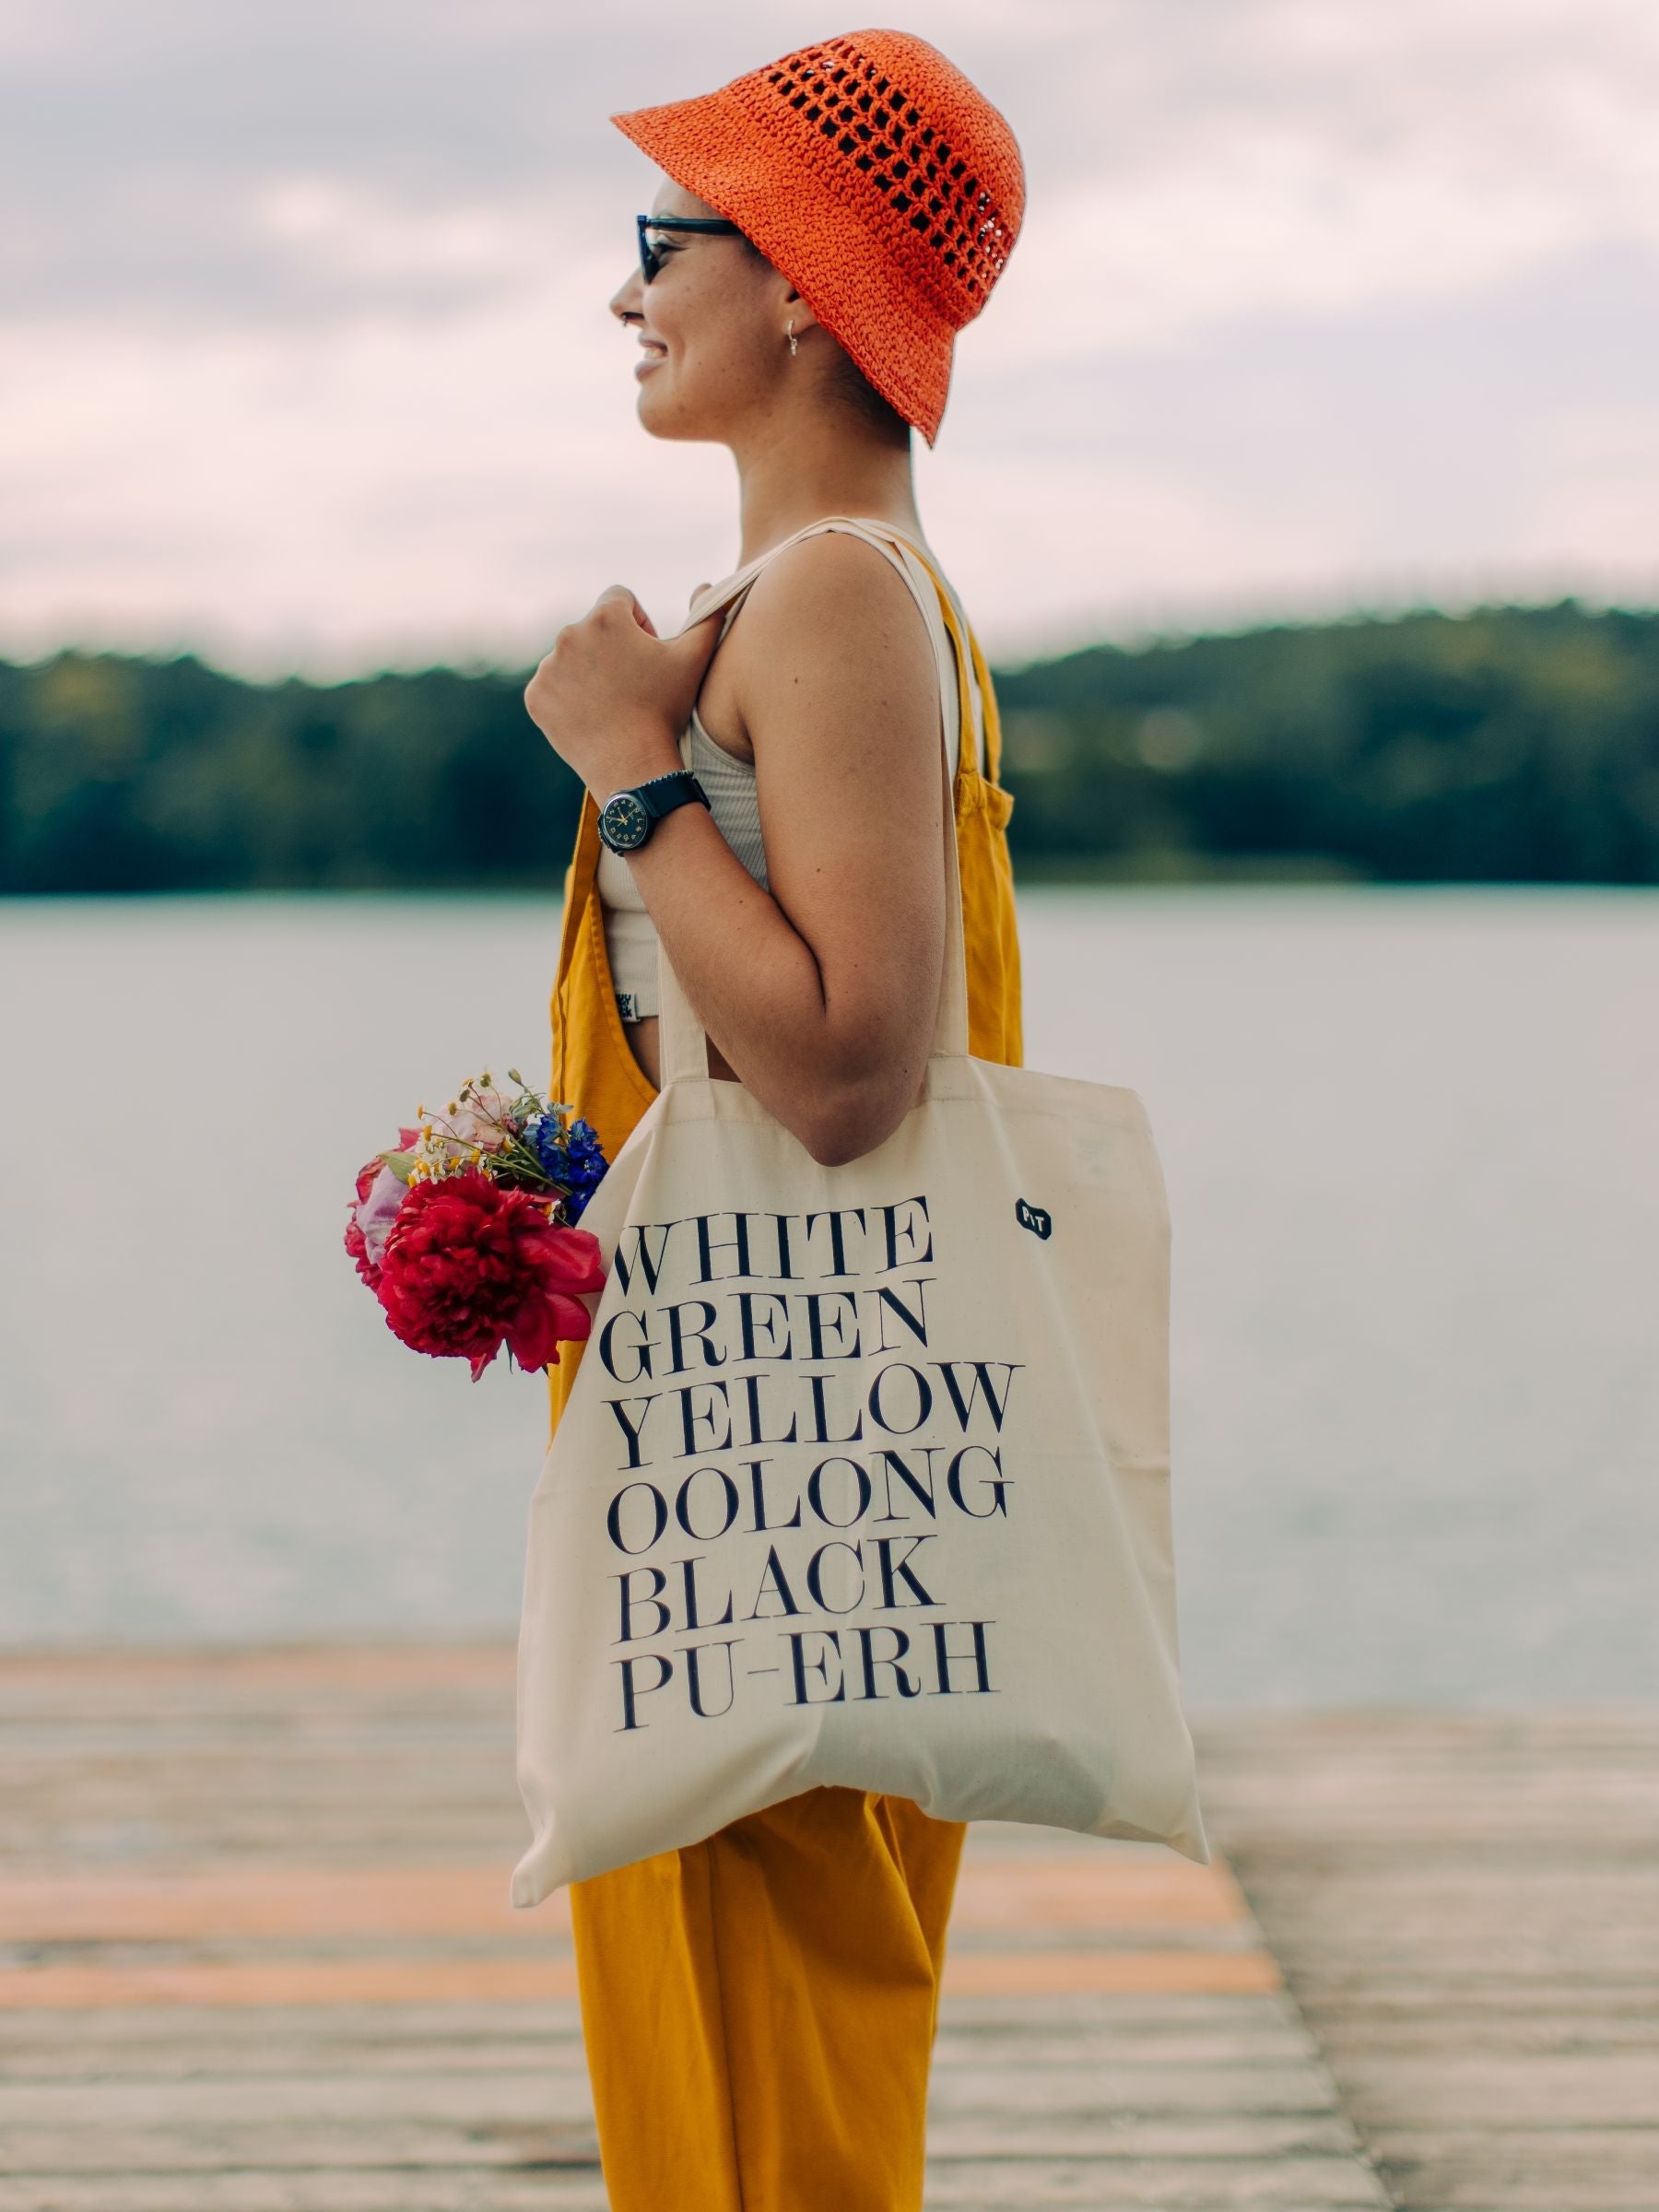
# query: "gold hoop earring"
793, 346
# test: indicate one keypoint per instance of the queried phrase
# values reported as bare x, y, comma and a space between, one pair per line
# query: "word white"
783, 1247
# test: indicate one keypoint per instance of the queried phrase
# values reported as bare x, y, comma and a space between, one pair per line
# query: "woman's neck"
786, 482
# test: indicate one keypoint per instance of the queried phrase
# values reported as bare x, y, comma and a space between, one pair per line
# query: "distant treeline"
1508, 745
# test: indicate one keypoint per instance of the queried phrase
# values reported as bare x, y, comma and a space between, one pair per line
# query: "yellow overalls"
760, 2008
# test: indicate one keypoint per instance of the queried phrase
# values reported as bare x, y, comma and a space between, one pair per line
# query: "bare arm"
821, 995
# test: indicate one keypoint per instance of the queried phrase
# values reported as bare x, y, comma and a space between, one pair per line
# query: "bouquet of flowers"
466, 1232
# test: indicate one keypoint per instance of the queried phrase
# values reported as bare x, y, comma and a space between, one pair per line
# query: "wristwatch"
627, 818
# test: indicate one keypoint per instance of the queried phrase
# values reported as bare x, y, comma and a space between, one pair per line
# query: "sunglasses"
649, 260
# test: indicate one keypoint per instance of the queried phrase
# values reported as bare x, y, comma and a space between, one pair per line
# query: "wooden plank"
1312, 2184
197, 1674
263, 1983
283, 2049
521, 2087
1133, 2019
231, 1902
404, 1981
1064, 1894
431, 2142
317, 2189
1026, 1974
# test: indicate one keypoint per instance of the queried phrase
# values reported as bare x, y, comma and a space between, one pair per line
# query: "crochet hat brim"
902, 343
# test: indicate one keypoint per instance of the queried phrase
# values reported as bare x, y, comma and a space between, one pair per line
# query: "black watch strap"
662, 794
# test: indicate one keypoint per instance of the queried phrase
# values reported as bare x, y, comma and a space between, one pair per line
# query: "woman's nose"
629, 297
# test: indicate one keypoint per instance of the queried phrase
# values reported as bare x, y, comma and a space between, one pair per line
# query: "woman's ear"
795, 306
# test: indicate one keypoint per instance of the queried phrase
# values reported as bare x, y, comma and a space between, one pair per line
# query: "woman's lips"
651, 357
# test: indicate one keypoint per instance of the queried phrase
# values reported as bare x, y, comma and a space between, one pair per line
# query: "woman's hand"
612, 696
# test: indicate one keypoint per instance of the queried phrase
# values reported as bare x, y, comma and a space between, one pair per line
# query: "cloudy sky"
304, 360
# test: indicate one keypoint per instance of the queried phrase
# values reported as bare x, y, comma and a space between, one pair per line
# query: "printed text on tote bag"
787, 1443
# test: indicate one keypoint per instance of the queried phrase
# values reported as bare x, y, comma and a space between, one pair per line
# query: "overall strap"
682, 1041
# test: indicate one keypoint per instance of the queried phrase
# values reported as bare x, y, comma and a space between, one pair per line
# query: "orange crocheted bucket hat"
873, 175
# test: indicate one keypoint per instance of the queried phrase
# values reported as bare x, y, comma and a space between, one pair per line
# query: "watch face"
623, 822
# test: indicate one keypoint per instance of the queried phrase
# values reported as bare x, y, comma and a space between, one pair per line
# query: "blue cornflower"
572, 1157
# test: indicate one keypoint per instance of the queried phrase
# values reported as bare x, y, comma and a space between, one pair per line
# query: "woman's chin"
657, 413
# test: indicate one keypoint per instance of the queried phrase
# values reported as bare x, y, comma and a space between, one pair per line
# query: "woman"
760, 2008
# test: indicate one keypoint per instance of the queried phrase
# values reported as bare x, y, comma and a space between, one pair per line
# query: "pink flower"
379, 1195
373, 1216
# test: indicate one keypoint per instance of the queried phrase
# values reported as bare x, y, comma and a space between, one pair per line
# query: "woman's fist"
612, 696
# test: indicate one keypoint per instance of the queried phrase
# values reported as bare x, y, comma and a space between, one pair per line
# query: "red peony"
470, 1265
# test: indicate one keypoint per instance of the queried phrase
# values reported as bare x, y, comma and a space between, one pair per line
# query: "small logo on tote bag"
1035, 1217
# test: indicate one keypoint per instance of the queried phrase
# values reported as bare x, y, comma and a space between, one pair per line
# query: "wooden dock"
257, 1957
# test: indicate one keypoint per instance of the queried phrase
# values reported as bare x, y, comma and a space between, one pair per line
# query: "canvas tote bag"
864, 1478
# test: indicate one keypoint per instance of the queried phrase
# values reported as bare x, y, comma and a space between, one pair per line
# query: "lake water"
1411, 1141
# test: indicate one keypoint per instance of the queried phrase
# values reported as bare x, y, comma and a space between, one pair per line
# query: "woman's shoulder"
830, 634
833, 587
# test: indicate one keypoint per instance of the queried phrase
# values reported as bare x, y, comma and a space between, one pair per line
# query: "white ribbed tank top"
630, 938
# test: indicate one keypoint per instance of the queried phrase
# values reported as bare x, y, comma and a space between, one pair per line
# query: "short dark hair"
870, 406
874, 406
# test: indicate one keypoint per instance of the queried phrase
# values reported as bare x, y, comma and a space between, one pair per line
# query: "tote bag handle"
683, 1042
